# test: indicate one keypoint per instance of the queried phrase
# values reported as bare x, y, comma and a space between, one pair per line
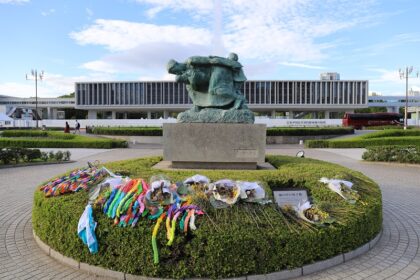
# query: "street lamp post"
405, 74
36, 76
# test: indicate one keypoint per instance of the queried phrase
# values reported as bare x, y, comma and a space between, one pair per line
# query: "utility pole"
405, 74
36, 76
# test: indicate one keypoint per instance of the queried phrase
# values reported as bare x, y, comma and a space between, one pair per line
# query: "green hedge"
239, 244
274, 131
309, 131
379, 138
54, 139
403, 154
128, 131
38, 134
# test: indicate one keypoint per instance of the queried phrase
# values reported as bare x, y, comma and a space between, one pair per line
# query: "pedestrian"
67, 128
77, 127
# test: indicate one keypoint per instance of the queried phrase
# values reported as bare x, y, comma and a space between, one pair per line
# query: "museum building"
120, 99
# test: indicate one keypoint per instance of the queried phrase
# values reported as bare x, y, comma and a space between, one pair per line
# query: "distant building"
330, 76
24, 108
162, 98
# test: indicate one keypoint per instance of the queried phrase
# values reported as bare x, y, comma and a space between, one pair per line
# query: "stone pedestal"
214, 145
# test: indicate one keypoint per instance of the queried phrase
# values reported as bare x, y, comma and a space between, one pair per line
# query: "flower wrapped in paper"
225, 193
342, 188
252, 192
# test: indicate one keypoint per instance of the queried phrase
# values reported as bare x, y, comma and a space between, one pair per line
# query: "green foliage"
290, 131
55, 139
403, 154
28, 155
241, 240
379, 138
70, 95
44, 156
59, 156
131, 131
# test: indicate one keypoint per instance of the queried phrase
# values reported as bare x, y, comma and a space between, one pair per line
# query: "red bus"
358, 120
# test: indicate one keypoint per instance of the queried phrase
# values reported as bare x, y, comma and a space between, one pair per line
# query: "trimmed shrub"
28, 155
379, 138
308, 131
403, 154
128, 131
242, 240
54, 139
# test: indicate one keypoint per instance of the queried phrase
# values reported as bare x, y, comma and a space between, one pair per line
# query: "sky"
131, 40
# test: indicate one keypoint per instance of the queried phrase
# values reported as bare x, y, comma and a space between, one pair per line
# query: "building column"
273, 114
50, 112
149, 115
113, 115
125, 115
314, 115
92, 114
54, 115
290, 115
418, 117
165, 114
327, 114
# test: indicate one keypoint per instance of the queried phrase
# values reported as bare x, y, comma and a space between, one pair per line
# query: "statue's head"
233, 56
175, 67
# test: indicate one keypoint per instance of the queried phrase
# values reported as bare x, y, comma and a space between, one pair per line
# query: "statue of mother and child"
214, 86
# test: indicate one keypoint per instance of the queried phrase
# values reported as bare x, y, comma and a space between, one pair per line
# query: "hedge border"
387, 137
282, 274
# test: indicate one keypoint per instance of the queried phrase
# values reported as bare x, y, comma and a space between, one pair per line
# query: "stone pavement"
396, 255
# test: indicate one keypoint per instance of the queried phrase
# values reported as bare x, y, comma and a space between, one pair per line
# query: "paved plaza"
396, 255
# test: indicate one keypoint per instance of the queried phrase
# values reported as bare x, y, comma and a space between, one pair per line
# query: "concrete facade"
268, 97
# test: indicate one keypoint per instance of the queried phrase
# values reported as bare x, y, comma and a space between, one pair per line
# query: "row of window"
256, 92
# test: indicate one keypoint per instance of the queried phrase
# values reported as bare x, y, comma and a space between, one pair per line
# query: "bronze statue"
213, 84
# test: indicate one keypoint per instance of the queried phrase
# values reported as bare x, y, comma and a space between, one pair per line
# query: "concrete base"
213, 145
168, 165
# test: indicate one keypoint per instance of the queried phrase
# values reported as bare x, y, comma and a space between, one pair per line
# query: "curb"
280, 275
35, 164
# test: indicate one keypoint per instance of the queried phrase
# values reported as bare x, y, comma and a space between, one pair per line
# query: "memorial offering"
342, 188
75, 181
162, 224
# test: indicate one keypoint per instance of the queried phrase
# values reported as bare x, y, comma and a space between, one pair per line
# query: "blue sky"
96, 40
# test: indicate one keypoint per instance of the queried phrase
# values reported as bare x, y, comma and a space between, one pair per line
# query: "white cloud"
47, 13
289, 32
301, 65
402, 39
391, 83
52, 85
99, 66
119, 35
13, 1
193, 6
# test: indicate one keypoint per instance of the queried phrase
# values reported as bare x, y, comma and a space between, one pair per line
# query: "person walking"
77, 127
67, 128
